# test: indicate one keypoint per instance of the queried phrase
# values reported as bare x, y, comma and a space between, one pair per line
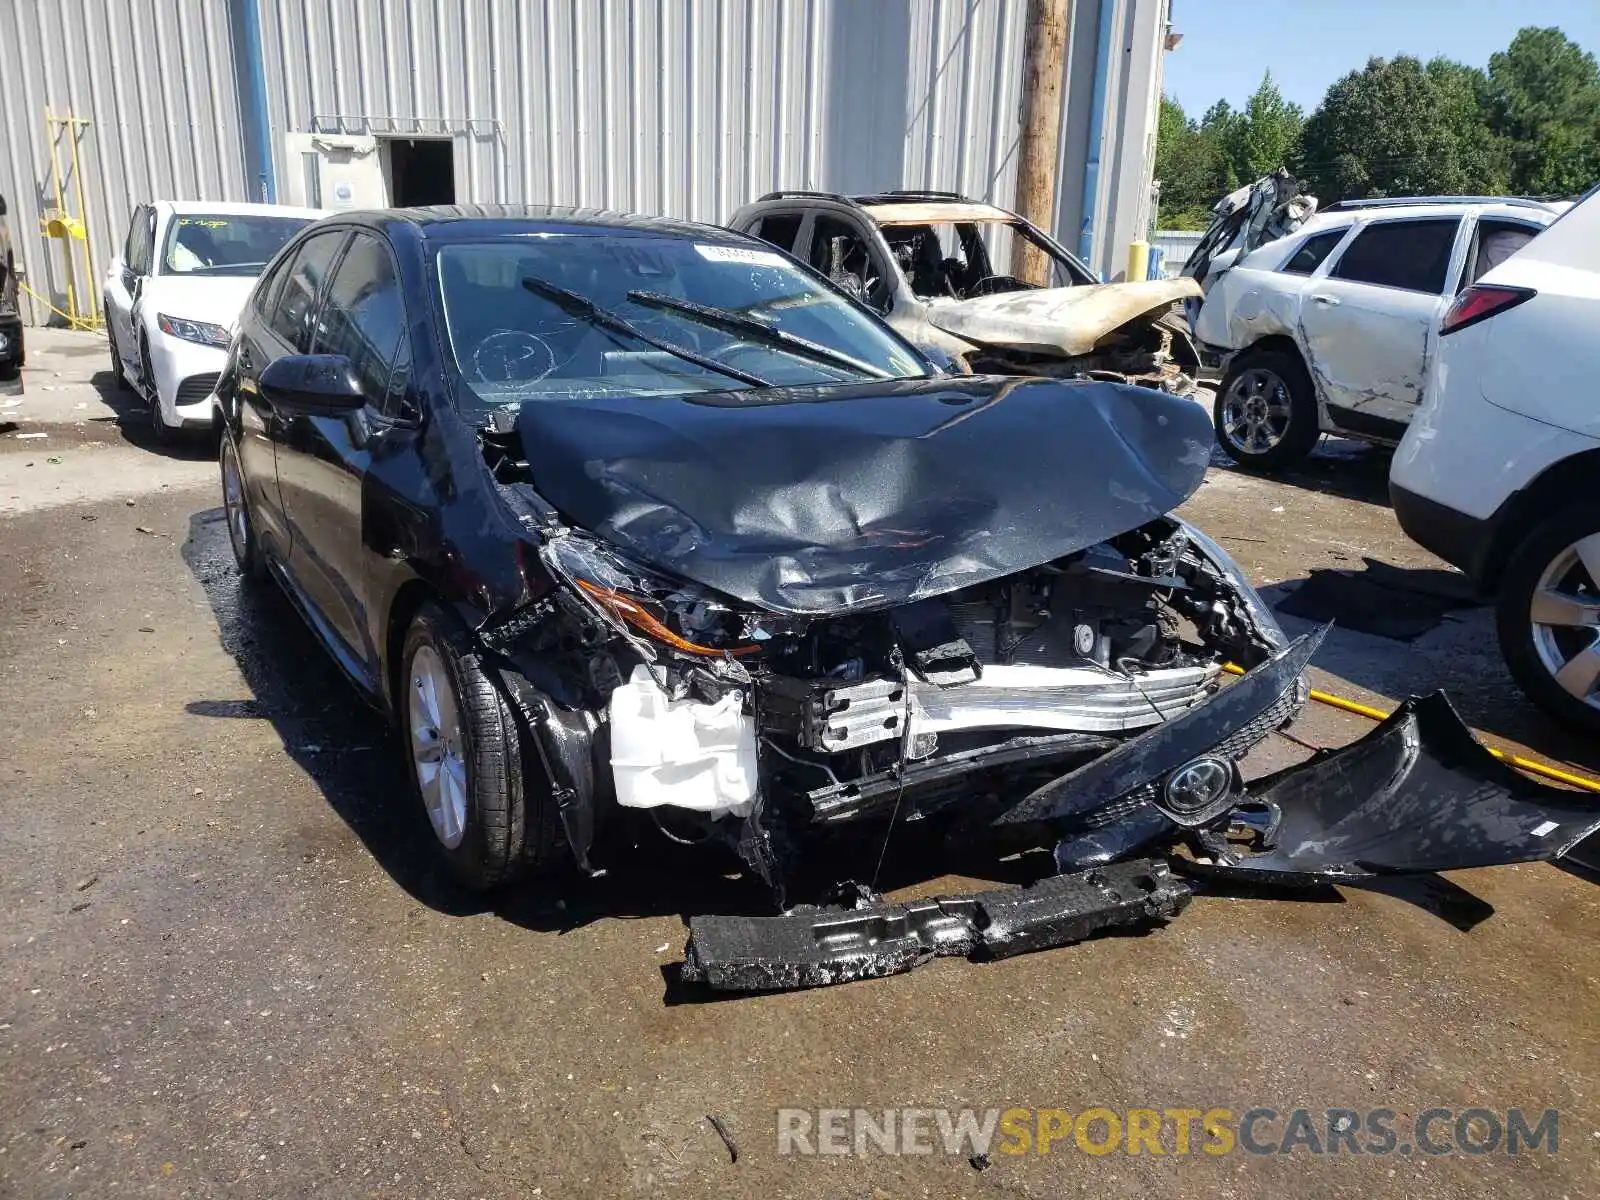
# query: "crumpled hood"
1067, 321
215, 298
865, 495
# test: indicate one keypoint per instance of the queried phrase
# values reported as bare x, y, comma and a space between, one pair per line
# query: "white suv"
1330, 328
1500, 471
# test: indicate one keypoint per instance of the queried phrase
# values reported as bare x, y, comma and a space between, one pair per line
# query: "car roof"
923, 212
237, 208
467, 222
1346, 217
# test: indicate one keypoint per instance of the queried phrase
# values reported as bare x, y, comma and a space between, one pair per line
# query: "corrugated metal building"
685, 107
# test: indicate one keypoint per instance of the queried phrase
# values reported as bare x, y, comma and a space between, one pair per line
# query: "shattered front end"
797, 624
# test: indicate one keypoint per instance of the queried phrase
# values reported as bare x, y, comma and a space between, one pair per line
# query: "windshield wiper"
760, 331
573, 304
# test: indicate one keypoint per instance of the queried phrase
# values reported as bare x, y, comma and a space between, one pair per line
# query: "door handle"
1330, 301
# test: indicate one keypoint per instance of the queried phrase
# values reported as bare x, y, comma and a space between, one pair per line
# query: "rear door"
1367, 323
323, 461
280, 323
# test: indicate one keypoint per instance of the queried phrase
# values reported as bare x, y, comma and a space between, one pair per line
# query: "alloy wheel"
233, 506
1565, 616
437, 752
1256, 410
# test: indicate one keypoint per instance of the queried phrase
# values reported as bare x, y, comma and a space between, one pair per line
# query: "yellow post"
61, 211
77, 125
1138, 260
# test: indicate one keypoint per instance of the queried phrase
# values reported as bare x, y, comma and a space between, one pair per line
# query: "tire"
1547, 563
1265, 413
10, 370
247, 554
117, 373
165, 435
488, 803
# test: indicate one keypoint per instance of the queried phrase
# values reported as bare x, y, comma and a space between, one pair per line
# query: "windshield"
225, 243
958, 260
513, 339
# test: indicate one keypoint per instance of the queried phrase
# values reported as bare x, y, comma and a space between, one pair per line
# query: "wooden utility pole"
1045, 50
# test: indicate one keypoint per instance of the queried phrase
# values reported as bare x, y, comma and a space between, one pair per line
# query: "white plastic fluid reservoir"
680, 752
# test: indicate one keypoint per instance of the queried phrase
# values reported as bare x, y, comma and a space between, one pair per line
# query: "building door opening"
421, 171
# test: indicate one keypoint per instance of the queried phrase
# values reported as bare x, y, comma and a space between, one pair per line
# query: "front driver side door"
123, 284
1368, 322
323, 461
279, 323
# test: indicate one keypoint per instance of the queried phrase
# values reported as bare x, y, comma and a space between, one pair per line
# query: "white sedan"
174, 293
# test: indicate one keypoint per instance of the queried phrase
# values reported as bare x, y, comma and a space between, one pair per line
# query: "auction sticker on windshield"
740, 254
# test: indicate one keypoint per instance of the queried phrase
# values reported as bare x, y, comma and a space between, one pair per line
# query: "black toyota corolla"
610, 513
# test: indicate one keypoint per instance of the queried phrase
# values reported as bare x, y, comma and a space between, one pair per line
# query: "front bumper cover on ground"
1416, 795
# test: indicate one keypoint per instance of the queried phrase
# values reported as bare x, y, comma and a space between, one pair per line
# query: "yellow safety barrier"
1516, 760
74, 322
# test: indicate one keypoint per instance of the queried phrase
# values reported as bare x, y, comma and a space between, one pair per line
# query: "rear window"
1414, 255
1311, 253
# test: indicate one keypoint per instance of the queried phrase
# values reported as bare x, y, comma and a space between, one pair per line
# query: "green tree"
1390, 129
1543, 100
1484, 156
1265, 134
1184, 169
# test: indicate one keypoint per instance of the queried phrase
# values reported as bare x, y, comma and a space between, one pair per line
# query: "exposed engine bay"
813, 640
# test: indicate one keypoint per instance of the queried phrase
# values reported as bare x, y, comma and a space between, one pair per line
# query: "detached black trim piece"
815, 947
1462, 541
1417, 794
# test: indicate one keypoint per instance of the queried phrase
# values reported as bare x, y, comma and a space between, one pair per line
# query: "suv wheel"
1266, 410
1548, 616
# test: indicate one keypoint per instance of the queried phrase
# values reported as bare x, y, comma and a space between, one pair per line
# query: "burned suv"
984, 286
614, 515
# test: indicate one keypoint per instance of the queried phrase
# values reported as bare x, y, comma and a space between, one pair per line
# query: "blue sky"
1308, 44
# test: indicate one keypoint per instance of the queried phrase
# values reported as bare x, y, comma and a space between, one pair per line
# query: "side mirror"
312, 385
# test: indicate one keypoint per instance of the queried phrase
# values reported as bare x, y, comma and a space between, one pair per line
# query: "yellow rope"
76, 322
1516, 760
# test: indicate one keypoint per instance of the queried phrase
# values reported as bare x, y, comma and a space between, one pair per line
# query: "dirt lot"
229, 967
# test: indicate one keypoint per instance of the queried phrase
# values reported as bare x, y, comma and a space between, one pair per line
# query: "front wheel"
489, 810
236, 510
1547, 613
1266, 411
165, 434
118, 375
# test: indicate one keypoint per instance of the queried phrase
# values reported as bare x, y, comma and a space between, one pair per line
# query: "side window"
141, 240
397, 402
840, 252
1312, 251
1414, 255
781, 229
364, 316
297, 299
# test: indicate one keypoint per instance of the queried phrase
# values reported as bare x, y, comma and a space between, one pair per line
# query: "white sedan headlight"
203, 332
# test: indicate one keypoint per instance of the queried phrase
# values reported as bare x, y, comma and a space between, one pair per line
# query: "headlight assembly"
665, 612
203, 333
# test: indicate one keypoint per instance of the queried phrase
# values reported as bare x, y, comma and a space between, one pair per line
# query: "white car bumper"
185, 377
